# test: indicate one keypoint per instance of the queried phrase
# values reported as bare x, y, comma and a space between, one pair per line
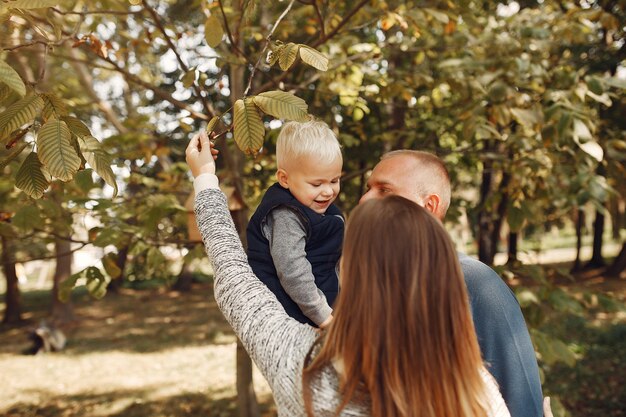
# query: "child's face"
312, 182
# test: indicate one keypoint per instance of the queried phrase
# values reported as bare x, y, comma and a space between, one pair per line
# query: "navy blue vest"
323, 247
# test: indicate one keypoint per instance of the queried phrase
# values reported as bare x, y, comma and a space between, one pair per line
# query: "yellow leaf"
288, 56
314, 58
282, 105
249, 130
212, 123
55, 150
19, 114
11, 78
213, 31
30, 178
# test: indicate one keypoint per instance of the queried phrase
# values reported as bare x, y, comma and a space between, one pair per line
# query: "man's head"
309, 162
419, 176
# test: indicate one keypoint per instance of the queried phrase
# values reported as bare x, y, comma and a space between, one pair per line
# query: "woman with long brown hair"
402, 342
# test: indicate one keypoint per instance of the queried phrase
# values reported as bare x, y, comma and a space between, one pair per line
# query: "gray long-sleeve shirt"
286, 233
277, 343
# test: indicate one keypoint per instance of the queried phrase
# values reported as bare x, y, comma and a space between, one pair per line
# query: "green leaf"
282, 105
189, 78
155, 261
76, 126
110, 265
564, 123
595, 85
94, 281
564, 302
67, 285
18, 114
515, 218
27, 218
99, 160
249, 129
12, 79
213, 32
553, 350
84, 180
30, 178
53, 107
56, 151
107, 236
211, 125
527, 117
288, 56
314, 58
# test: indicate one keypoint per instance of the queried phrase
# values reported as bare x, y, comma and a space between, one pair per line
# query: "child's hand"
326, 322
200, 155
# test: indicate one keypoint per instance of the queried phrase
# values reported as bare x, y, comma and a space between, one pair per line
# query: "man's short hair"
434, 178
311, 138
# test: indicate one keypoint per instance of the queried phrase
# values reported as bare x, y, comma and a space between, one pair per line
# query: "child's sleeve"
287, 236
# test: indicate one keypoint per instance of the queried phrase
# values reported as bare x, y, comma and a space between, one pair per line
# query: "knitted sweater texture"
276, 343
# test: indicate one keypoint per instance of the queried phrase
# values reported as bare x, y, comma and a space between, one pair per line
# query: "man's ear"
283, 178
432, 203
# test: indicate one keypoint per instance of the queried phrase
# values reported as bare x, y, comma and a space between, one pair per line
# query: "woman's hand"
200, 155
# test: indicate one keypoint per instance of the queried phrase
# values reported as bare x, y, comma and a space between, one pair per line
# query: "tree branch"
60, 255
319, 17
341, 24
228, 32
183, 65
267, 42
158, 92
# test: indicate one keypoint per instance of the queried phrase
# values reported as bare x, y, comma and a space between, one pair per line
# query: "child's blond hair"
312, 138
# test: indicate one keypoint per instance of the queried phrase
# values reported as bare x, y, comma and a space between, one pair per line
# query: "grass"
133, 354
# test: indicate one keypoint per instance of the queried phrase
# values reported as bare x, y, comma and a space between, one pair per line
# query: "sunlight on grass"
110, 382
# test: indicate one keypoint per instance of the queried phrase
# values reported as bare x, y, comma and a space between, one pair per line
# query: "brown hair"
402, 328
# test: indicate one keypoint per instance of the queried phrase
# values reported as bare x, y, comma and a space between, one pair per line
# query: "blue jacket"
503, 338
323, 247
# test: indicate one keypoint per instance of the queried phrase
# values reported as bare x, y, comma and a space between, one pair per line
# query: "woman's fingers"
193, 144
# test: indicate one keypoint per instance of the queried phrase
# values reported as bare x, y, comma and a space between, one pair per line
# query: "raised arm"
267, 332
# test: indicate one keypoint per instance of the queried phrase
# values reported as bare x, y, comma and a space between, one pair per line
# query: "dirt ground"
134, 354
160, 353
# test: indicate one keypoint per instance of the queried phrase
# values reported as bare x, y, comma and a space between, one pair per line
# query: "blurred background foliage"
524, 100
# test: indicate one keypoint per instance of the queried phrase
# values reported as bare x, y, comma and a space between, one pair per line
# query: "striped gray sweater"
276, 343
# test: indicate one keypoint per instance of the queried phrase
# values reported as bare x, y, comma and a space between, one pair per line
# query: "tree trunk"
619, 264
512, 249
185, 278
13, 310
598, 231
617, 215
486, 245
61, 312
501, 213
580, 220
246, 398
